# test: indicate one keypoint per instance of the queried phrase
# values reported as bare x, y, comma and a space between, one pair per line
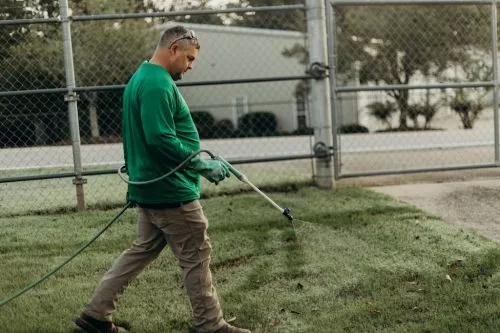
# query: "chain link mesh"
436, 124
234, 119
415, 45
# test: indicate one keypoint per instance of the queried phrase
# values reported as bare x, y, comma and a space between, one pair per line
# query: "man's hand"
213, 170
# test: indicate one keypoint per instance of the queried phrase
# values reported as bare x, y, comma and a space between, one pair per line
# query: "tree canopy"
284, 20
105, 53
400, 42
11, 35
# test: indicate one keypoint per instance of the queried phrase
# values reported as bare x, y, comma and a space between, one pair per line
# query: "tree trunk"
466, 120
402, 100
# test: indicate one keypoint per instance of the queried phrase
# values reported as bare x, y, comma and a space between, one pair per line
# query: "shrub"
204, 122
303, 131
382, 111
427, 111
353, 128
259, 123
467, 110
223, 129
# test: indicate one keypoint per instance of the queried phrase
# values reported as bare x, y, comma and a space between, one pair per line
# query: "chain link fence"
420, 77
247, 93
412, 84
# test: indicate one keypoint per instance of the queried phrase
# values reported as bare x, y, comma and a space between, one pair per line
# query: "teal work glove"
213, 170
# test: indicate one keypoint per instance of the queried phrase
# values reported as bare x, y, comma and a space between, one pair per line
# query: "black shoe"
92, 325
231, 329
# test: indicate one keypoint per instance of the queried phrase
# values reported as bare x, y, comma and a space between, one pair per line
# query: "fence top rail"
123, 16
410, 2
187, 12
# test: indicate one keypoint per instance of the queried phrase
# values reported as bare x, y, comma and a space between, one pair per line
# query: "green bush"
260, 123
383, 111
223, 129
204, 122
353, 128
303, 131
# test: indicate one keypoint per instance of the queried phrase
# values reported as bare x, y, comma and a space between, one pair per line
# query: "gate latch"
321, 150
318, 70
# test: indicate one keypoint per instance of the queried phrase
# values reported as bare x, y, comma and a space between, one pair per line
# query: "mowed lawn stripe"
352, 261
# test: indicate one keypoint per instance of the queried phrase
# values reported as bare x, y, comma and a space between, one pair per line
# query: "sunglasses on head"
188, 35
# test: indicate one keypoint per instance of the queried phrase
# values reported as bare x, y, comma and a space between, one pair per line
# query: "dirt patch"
472, 204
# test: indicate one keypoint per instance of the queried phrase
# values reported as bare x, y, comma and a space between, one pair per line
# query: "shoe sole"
86, 326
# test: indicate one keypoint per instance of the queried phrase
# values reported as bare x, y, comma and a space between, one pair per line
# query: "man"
158, 134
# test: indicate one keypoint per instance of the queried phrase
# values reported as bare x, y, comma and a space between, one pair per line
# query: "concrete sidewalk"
469, 204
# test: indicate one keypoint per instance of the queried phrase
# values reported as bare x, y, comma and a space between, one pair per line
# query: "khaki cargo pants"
184, 229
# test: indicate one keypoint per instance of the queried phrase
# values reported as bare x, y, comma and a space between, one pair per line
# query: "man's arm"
157, 113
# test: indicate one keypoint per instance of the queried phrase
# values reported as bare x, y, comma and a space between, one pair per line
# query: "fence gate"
413, 85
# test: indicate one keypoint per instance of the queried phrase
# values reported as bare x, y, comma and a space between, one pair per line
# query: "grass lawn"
356, 261
40, 196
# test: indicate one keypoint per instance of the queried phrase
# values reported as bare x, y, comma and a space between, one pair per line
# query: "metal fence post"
494, 46
320, 91
71, 99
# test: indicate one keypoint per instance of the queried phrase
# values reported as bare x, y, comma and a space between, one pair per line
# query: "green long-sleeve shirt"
158, 134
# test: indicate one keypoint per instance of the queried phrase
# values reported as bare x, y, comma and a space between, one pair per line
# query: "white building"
233, 53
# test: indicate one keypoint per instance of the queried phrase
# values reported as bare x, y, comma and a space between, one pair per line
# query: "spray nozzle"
288, 213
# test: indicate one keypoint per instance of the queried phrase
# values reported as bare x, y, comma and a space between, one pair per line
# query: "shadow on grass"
231, 262
350, 219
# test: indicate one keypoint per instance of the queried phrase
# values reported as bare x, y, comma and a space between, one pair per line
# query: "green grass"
40, 196
356, 262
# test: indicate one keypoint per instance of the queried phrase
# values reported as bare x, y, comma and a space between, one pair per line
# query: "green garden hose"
53, 271
86, 245
285, 211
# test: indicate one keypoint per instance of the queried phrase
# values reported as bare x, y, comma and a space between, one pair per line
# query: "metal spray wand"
285, 211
